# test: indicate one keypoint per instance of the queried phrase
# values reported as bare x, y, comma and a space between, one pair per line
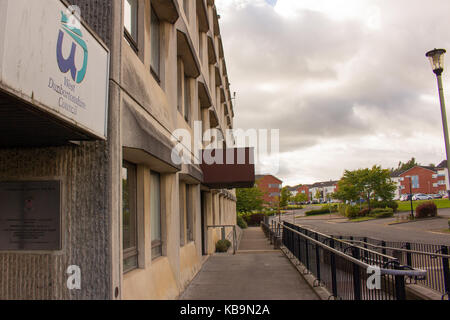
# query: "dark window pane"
187, 100
155, 44
129, 219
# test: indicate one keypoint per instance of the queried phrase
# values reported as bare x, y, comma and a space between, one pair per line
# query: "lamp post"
410, 196
436, 57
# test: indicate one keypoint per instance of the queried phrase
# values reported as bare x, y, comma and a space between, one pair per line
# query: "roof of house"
330, 183
443, 164
260, 176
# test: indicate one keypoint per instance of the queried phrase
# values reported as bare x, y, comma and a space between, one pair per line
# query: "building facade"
422, 179
130, 219
271, 187
322, 191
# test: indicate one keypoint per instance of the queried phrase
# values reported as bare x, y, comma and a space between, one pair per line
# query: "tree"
366, 183
300, 197
318, 195
285, 197
405, 166
249, 199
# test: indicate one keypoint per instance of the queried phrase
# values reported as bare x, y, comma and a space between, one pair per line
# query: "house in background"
294, 191
422, 179
271, 187
326, 189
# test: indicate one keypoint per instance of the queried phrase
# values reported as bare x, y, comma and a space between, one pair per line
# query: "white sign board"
51, 59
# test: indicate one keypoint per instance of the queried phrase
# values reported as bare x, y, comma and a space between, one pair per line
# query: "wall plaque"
30, 215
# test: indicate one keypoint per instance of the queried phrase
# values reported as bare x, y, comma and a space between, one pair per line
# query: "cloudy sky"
345, 81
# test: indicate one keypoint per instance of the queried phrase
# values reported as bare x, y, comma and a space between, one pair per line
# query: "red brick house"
271, 187
427, 180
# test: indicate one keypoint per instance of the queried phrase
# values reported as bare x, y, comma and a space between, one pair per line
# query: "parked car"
421, 196
405, 197
437, 196
445, 196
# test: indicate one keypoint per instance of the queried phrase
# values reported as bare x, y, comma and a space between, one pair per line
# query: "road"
420, 231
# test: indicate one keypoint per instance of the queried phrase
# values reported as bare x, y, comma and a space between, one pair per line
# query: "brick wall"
267, 185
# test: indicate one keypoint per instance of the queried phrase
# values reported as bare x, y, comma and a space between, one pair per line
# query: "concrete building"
91, 144
271, 187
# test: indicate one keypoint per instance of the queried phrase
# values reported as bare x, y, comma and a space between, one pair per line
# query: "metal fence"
430, 257
341, 267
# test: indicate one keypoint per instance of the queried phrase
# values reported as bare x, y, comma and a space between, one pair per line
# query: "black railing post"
383, 251
365, 247
408, 254
400, 292
333, 271
445, 266
317, 259
356, 275
307, 252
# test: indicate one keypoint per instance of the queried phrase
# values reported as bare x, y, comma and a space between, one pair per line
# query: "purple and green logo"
68, 64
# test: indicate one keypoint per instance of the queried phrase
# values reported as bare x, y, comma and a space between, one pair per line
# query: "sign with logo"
48, 57
31, 215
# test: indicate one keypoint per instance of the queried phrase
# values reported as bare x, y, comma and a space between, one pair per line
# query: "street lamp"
410, 195
436, 57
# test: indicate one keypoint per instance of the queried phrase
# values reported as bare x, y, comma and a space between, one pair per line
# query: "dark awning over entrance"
24, 125
236, 170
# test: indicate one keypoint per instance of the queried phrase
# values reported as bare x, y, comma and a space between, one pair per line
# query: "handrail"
404, 250
413, 273
349, 244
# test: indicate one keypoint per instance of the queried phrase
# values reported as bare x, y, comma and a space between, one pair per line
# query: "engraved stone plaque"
30, 215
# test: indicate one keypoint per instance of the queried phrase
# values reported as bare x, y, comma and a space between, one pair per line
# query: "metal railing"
342, 267
430, 257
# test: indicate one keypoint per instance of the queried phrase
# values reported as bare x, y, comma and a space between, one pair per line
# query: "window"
415, 182
155, 35
129, 224
182, 210
155, 214
180, 87
187, 100
200, 46
130, 22
189, 219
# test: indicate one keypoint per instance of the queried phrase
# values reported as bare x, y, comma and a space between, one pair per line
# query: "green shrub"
384, 204
351, 211
426, 209
382, 213
241, 222
223, 245
342, 209
332, 207
317, 212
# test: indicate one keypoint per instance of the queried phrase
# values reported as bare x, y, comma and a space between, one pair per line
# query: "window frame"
155, 74
133, 251
187, 105
128, 36
159, 242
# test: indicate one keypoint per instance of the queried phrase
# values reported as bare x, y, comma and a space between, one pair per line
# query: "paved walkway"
256, 272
